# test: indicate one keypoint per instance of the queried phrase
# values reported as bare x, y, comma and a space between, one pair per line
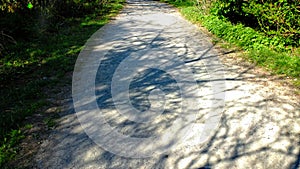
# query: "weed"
50, 122
8, 146
28, 126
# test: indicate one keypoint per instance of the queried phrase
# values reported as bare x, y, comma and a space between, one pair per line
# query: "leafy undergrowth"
37, 63
267, 52
8, 147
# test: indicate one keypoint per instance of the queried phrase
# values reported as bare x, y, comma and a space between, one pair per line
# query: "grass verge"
266, 52
37, 63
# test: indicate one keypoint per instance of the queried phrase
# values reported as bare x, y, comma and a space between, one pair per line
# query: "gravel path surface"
239, 118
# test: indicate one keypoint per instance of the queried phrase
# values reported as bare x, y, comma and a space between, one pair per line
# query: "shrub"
280, 18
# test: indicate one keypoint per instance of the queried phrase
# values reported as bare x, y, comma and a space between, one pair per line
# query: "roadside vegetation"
268, 31
40, 41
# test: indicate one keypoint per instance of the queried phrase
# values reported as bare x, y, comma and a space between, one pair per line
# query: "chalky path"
242, 121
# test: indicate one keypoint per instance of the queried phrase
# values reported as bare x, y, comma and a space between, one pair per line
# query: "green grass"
270, 53
8, 148
50, 122
38, 63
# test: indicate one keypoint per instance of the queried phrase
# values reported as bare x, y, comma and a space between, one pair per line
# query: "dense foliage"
21, 19
280, 18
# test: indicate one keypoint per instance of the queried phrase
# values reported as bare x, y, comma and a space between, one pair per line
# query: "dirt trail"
206, 110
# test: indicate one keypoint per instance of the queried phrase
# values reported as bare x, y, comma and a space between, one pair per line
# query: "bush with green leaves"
274, 18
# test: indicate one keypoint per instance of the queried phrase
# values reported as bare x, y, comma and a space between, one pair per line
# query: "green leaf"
29, 6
